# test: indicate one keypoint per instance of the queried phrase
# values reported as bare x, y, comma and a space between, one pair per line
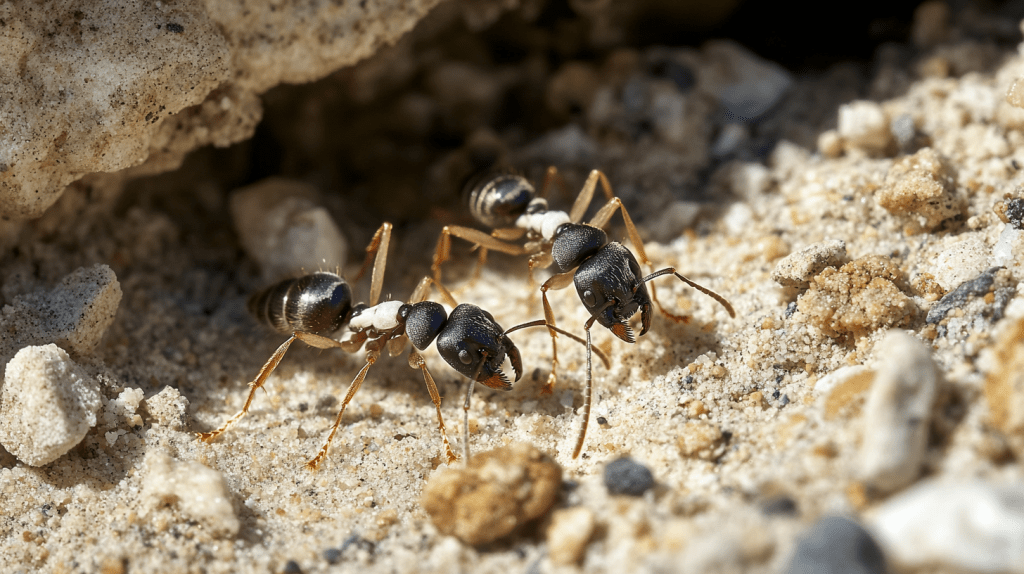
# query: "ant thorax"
381, 317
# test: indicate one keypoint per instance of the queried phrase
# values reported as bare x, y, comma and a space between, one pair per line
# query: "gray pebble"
976, 287
625, 476
836, 545
332, 555
903, 130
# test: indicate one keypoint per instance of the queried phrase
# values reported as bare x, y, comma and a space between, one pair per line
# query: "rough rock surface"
102, 86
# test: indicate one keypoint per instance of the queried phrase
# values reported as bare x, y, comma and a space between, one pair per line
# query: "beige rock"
197, 491
921, 188
568, 534
498, 491
797, 269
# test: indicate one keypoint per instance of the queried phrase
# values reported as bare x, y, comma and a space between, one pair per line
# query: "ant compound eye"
465, 357
589, 299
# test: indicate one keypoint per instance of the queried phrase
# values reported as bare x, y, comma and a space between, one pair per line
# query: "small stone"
798, 268
897, 414
977, 287
830, 144
332, 555
836, 545
197, 491
1009, 250
75, 314
496, 492
779, 506
701, 439
168, 408
568, 534
283, 228
1011, 211
961, 261
47, 404
903, 130
1004, 384
746, 85
921, 187
626, 476
291, 567
841, 392
974, 526
858, 298
863, 125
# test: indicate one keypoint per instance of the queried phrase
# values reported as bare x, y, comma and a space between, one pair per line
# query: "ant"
509, 205
320, 304
610, 284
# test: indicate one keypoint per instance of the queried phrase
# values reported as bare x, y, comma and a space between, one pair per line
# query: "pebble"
1004, 384
921, 188
903, 130
283, 228
47, 405
1009, 250
750, 85
837, 545
75, 314
494, 494
863, 125
197, 491
168, 408
897, 414
628, 477
977, 287
568, 534
798, 268
701, 439
961, 261
332, 555
965, 526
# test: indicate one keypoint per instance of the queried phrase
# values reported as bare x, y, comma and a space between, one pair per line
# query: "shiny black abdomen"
318, 303
497, 201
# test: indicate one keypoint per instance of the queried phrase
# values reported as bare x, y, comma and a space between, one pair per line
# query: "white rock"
282, 227
863, 125
974, 526
197, 491
897, 413
168, 408
74, 314
798, 268
47, 405
961, 262
1009, 250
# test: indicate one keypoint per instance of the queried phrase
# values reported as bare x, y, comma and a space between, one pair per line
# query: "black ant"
509, 205
315, 305
610, 284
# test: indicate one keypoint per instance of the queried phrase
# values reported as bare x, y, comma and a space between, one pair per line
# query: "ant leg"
423, 290
543, 323
416, 361
588, 390
579, 207
443, 251
465, 420
264, 374
481, 259
371, 358
552, 175
378, 246
559, 281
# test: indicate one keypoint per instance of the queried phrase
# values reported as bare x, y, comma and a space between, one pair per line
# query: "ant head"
574, 243
475, 345
423, 321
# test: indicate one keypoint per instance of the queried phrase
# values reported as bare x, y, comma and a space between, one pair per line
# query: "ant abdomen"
498, 200
319, 303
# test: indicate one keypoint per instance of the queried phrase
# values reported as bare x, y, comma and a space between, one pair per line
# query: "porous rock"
921, 187
1004, 385
495, 493
701, 439
283, 228
897, 414
961, 261
864, 295
196, 491
168, 408
47, 405
91, 87
798, 268
972, 526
